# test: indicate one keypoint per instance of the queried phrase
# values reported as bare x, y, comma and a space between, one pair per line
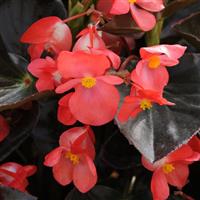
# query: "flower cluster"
149, 79
84, 72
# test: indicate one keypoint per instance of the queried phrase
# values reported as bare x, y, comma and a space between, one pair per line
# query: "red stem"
88, 12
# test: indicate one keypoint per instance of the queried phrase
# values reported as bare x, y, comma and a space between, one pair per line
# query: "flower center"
145, 104
167, 168
72, 157
154, 62
88, 82
132, 1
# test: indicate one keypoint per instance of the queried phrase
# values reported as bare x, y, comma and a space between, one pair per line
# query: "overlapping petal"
98, 105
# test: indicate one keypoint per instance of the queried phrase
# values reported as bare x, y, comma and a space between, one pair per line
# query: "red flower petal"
80, 64
114, 58
36, 34
159, 186
120, 7
4, 128
153, 5
178, 177
144, 19
84, 144
38, 66
110, 79
94, 106
172, 51
84, 175
35, 50
105, 6
30, 169
68, 137
180, 154
63, 171
45, 82
129, 108
195, 144
64, 114
68, 85
150, 79
147, 164
53, 157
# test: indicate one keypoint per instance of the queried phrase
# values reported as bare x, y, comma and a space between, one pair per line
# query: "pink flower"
95, 99
140, 10
64, 114
172, 169
50, 34
151, 72
46, 72
15, 175
138, 101
73, 159
4, 128
90, 41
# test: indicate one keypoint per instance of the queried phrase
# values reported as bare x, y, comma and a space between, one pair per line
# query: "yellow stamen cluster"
72, 157
145, 104
168, 168
132, 1
154, 62
88, 82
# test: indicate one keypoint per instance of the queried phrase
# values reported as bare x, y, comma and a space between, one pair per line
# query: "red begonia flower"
64, 114
4, 128
90, 41
46, 72
172, 169
73, 159
138, 101
151, 72
15, 175
95, 99
140, 10
50, 34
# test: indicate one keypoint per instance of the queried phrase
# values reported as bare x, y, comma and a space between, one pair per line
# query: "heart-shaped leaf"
99, 192
189, 28
21, 124
7, 193
162, 129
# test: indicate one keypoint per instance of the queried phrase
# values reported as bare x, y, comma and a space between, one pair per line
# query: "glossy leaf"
119, 158
24, 13
7, 193
162, 129
21, 124
175, 5
122, 25
189, 29
99, 192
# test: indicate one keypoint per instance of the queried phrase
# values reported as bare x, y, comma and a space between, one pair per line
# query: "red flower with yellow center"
151, 73
172, 169
95, 99
73, 159
138, 101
